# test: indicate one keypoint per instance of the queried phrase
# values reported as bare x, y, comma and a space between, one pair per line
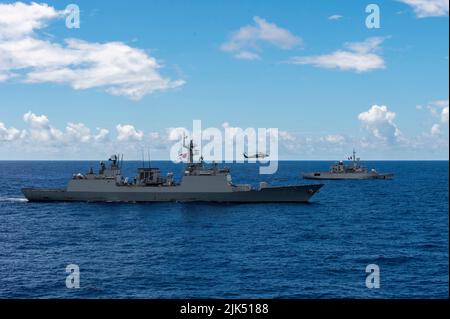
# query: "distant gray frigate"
353, 171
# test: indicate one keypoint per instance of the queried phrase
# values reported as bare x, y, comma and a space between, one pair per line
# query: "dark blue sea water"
176, 250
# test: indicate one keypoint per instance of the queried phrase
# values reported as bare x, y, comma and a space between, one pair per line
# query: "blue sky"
319, 108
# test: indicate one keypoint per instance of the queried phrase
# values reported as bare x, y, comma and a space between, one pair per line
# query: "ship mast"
191, 152
191, 149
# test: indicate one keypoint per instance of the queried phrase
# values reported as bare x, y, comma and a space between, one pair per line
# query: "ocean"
199, 250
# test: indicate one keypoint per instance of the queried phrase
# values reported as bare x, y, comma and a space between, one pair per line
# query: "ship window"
316, 174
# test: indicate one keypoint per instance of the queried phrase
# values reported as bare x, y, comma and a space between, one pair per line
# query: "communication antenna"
184, 140
149, 160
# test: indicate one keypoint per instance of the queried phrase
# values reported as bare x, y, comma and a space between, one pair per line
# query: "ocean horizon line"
226, 162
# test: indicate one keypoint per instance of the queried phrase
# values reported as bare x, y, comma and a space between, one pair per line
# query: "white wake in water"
13, 199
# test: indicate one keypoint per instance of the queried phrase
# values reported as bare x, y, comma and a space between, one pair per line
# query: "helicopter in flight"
257, 155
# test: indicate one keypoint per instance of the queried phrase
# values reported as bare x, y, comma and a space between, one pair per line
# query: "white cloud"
20, 19
35, 120
358, 57
379, 121
428, 8
127, 132
78, 132
435, 129
367, 46
444, 115
246, 55
154, 135
286, 136
3, 76
439, 109
39, 139
102, 135
40, 129
113, 66
333, 139
249, 38
335, 17
8, 134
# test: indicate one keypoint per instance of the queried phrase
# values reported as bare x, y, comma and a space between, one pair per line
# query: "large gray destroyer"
200, 183
342, 171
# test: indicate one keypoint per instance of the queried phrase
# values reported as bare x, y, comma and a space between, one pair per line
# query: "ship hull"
346, 176
299, 194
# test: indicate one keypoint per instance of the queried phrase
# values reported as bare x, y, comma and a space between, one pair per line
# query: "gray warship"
354, 171
200, 183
